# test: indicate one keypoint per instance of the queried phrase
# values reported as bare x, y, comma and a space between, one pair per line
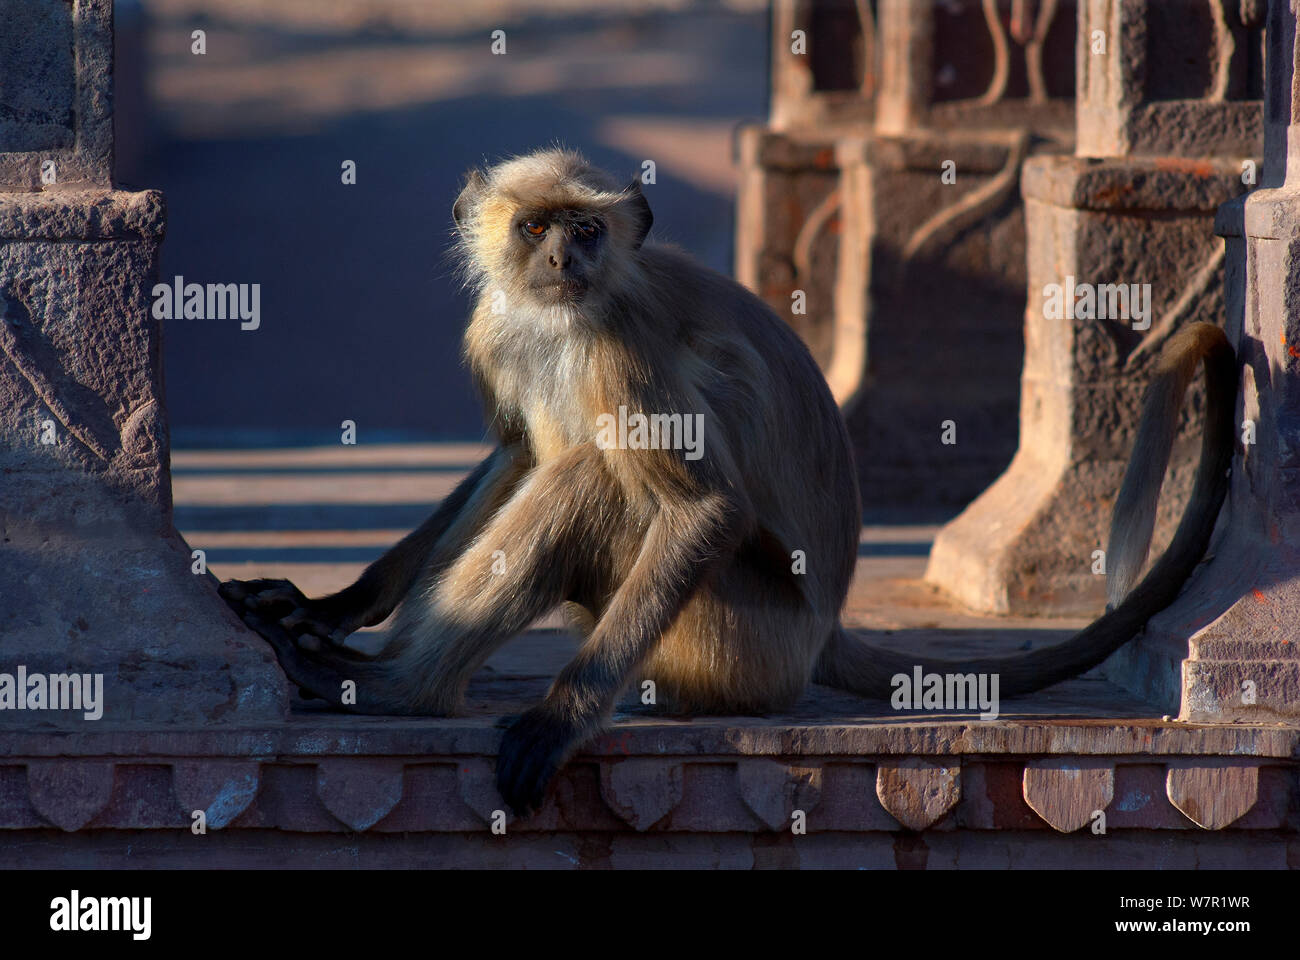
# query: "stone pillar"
93, 577
1167, 129
911, 281
787, 212
1241, 609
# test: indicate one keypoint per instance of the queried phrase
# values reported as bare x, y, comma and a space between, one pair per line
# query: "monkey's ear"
474, 185
639, 209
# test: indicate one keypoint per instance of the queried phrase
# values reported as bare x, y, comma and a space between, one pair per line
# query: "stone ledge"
889, 735
328, 773
79, 215
702, 794
1165, 184
876, 788
926, 150
791, 151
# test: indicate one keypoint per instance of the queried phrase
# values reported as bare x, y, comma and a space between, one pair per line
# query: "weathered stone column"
788, 224
878, 213
93, 577
1121, 253
1242, 608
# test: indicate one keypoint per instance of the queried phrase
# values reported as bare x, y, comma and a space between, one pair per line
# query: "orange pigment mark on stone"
1198, 168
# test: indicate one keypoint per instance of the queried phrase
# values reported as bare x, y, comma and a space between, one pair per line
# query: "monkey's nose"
562, 262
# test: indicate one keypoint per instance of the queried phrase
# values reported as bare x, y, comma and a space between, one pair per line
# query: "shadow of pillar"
1242, 608
1120, 254
94, 578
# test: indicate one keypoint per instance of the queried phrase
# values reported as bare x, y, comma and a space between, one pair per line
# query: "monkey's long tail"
851, 663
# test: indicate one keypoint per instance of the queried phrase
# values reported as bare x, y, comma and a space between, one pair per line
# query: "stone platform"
877, 788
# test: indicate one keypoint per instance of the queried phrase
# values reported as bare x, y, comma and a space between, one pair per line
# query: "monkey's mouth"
566, 289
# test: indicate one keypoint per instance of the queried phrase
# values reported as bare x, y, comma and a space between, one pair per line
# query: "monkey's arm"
682, 542
378, 590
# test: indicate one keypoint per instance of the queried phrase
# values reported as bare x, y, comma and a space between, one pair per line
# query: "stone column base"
94, 578
1026, 545
1241, 608
1242, 662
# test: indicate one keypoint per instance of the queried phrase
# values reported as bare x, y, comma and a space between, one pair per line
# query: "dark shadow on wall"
361, 315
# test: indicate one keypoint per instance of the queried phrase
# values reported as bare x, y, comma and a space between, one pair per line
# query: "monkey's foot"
311, 622
531, 753
348, 681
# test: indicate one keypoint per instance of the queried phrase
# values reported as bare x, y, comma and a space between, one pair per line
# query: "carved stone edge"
645, 793
1068, 792
1212, 793
916, 792
773, 790
641, 791
222, 789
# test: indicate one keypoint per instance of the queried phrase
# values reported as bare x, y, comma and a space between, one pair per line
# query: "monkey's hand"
327, 620
532, 751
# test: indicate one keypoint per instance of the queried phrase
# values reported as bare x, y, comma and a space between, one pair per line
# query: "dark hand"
329, 620
532, 752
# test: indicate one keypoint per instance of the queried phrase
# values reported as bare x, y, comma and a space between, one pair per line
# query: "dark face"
561, 252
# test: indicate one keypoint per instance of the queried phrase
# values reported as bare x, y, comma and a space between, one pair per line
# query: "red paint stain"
1105, 196
1198, 168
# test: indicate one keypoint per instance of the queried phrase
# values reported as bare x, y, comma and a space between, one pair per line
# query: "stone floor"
318, 515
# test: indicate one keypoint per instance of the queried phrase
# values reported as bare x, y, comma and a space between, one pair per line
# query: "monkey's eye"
534, 228
586, 229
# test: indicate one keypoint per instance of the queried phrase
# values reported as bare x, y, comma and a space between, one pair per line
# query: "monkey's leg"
377, 592
520, 566
523, 564
682, 542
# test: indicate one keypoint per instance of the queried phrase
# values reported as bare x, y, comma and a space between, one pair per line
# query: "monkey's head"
550, 229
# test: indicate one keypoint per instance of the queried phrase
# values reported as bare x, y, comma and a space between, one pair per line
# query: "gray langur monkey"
676, 566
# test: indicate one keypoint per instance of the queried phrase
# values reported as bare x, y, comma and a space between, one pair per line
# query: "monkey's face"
559, 253
549, 230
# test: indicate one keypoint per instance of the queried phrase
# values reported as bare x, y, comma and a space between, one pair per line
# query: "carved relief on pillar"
824, 63
879, 215
1170, 79
979, 64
